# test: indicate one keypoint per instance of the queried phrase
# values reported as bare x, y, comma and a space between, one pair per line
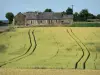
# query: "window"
62, 21
31, 21
56, 21
40, 21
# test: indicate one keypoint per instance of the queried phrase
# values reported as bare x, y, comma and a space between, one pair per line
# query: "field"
51, 48
47, 72
86, 24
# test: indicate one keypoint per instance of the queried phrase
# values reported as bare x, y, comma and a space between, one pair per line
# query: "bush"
11, 28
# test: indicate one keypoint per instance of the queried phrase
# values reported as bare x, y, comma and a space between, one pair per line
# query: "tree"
1, 22
91, 16
98, 16
48, 10
84, 15
63, 13
69, 11
10, 17
76, 16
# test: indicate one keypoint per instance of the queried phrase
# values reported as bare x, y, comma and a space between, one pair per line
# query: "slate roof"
45, 16
57, 16
67, 17
30, 15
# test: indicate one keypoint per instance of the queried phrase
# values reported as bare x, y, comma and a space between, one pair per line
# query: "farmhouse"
42, 18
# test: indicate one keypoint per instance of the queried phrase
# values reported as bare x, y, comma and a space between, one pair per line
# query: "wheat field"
51, 48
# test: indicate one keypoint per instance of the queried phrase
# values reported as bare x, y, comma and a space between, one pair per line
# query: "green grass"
55, 48
86, 24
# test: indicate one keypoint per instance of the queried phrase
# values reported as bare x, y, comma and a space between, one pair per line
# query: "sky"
16, 6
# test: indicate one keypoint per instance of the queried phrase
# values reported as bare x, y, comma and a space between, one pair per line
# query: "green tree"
1, 22
69, 11
84, 15
48, 10
76, 16
98, 16
91, 16
10, 17
63, 13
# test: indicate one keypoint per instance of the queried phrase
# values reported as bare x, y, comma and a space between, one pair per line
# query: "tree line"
83, 15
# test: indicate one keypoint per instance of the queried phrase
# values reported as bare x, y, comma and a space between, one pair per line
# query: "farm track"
84, 64
34, 42
95, 34
95, 61
82, 46
32, 49
57, 50
57, 46
25, 54
76, 65
96, 52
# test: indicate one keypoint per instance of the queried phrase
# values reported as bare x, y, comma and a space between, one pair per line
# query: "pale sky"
16, 6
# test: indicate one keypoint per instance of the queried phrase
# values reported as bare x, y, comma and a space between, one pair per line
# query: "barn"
42, 18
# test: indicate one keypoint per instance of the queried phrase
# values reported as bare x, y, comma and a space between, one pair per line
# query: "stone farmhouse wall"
21, 19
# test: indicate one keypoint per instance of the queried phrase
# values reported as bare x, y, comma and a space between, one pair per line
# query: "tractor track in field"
84, 63
9, 61
95, 34
96, 52
95, 61
34, 42
57, 50
80, 47
28, 48
22, 54
33, 48
57, 46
